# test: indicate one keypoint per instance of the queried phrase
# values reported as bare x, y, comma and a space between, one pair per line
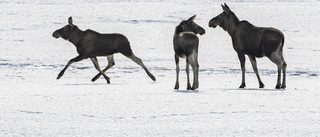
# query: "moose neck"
231, 24
178, 30
76, 35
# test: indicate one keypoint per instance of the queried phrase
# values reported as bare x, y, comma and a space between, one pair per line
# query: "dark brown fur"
185, 44
91, 44
254, 42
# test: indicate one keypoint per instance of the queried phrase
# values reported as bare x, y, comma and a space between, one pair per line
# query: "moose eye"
193, 24
65, 28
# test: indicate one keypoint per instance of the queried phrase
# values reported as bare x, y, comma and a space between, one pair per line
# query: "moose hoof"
59, 77
261, 86
242, 85
189, 88
153, 78
94, 79
278, 86
193, 88
108, 80
196, 86
283, 86
176, 87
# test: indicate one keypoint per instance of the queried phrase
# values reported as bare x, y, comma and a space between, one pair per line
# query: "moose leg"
284, 67
255, 69
279, 77
176, 57
277, 58
187, 71
110, 64
197, 69
243, 69
139, 62
96, 65
76, 59
194, 64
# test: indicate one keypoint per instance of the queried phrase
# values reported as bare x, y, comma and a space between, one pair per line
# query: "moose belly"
255, 53
180, 52
182, 55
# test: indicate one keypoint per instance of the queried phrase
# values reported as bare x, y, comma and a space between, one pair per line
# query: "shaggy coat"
254, 42
91, 44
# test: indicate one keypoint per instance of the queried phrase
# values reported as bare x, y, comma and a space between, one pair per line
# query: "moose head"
66, 31
222, 19
190, 25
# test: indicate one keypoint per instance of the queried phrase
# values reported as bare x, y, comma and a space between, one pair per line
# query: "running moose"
91, 44
185, 44
253, 41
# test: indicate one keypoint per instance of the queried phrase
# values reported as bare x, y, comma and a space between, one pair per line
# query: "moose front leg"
255, 69
176, 57
76, 59
242, 60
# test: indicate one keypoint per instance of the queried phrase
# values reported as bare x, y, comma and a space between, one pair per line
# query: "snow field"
34, 103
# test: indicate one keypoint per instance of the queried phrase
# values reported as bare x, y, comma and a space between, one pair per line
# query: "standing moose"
185, 44
91, 44
253, 41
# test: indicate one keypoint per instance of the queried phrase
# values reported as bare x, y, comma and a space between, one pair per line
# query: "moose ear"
225, 7
192, 18
70, 21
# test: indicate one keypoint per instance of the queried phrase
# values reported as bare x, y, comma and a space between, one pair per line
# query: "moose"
254, 42
91, 44
185, 44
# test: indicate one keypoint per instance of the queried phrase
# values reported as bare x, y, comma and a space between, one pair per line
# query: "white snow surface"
34, 103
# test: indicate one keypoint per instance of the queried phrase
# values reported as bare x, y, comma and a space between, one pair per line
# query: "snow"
34, 103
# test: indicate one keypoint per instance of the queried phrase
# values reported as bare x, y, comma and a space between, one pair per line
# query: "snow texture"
34, 103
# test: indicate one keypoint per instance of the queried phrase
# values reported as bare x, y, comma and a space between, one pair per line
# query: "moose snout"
202, 31
55, 34
212, 24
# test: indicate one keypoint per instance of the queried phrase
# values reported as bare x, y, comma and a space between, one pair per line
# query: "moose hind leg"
110, 64
188, 78
139, 62
255, 69
96, 65
277, 58
194, 64
284, 67
197, 70
176, 57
